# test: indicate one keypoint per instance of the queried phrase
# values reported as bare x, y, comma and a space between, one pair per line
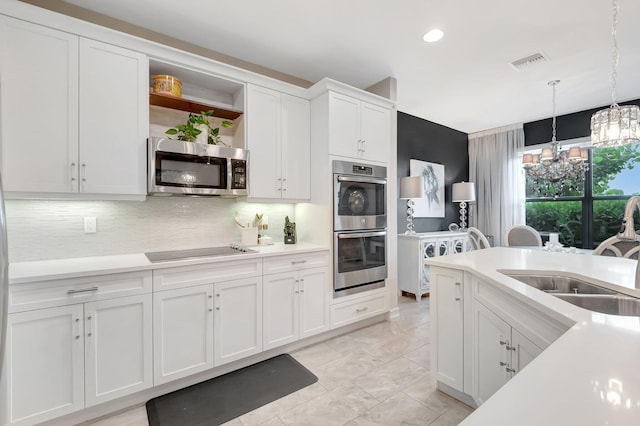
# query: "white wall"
39, 230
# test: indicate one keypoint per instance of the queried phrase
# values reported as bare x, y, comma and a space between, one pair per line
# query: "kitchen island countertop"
591, 374
41, 270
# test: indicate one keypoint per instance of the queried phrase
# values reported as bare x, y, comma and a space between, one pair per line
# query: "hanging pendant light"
618, 124
550, 170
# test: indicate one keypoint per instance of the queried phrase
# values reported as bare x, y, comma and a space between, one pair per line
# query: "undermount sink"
582, 294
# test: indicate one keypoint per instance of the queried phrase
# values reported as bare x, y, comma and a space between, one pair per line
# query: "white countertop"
591, 374
21, 272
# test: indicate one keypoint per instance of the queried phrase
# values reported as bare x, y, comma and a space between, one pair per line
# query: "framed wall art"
432, 202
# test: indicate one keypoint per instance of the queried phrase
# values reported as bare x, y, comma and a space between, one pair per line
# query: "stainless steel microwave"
190, 168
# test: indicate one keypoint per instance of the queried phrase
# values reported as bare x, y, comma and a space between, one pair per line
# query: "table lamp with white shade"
461, 193
410, 188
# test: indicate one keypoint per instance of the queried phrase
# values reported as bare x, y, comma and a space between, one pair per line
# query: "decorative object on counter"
167, 85
289, 231
552, 168
249, 236
461, 193
431, 204
616, 125
263, 238
410, 188
198, 129
453, 227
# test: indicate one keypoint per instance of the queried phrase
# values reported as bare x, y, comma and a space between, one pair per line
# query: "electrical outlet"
89, 225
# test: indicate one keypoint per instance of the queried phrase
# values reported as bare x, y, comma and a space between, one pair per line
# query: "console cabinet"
413, 275
80, 101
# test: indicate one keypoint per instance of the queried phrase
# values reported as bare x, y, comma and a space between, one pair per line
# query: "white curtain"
495, 165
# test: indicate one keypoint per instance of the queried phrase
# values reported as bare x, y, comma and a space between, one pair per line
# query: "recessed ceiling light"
433, 35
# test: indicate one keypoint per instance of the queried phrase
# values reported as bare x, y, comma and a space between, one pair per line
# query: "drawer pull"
511, 348
84, 290
362, 309
510, 370
296, 262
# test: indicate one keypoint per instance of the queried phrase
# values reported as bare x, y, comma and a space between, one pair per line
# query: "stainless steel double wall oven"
359, 227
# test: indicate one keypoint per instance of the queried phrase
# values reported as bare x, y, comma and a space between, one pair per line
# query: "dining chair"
523, 236
614, 246
477, 239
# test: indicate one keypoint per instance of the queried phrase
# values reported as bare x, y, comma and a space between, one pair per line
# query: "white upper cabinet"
113, 117
38, 107
278, 139
74, 114
358, 129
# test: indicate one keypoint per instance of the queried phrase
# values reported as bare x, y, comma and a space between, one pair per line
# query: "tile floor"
378, 375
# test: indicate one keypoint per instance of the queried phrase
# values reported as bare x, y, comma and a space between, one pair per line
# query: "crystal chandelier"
616, 125
552, 170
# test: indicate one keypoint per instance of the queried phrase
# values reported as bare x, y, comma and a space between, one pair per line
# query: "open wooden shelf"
187, 105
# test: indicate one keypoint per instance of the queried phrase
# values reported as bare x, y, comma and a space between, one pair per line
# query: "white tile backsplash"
39, 230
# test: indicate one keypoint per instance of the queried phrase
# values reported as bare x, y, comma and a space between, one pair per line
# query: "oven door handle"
361, 179
343, 236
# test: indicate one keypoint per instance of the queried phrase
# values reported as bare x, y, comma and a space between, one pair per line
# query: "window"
586, 212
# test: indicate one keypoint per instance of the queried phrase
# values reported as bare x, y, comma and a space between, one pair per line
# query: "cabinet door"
281, 307
344, 127
44, 364
314, 315
118, 347
263, 141
296, 146
447, 326
375, 132
238, 319
492, 335
39, 107
525, 351
182, 332
113, 119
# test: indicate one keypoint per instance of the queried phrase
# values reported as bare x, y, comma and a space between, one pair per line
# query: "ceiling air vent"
530, 60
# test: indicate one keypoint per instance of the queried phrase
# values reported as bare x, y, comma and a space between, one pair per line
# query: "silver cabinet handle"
502, 364
362, 309
458, 298
504, 342
511, 348
210, 310
510, 370
364, 145
82, 172
297, 262
73, 172
217, 309
84, 290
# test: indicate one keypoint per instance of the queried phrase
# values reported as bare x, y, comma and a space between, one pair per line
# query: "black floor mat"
223, 398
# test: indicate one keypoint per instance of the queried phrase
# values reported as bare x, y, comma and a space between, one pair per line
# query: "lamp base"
409, 230
463, 215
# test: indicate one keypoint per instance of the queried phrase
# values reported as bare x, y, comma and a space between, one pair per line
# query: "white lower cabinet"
500, 352
295, 306
59, 360
43, 367
447, 313
118, 349
237, 323
182, 332
482, 336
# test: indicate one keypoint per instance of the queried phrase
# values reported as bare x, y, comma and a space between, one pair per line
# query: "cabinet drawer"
45, 294
277, 264
192, 275
356, 310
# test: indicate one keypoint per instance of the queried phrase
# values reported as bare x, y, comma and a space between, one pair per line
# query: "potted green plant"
197, 124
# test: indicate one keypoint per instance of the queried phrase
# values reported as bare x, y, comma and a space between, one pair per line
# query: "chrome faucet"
627, 229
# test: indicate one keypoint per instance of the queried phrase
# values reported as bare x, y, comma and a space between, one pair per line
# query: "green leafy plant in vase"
196, 124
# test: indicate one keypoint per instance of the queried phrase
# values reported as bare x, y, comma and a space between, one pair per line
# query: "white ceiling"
464, 81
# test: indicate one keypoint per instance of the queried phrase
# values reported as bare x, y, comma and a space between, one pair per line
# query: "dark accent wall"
427, 141
569, 126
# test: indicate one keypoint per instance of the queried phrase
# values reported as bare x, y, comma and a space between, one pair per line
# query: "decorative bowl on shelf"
167, 85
